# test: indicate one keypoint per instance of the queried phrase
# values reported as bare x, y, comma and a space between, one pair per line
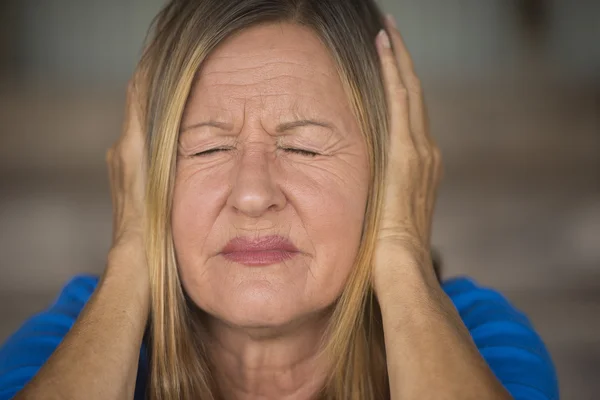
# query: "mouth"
262, 251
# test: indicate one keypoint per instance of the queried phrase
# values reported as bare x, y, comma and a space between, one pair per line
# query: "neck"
269, 363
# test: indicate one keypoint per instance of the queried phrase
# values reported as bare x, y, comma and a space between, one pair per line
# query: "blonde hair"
184, 33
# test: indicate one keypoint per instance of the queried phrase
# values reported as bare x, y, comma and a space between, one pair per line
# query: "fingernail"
385, 39
391, 20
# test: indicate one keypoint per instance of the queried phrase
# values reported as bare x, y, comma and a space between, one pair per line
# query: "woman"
273, 191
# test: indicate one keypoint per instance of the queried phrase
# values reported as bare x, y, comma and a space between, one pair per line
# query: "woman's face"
272, 180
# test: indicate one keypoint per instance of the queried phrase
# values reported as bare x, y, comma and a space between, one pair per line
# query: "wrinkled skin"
257, 183
242, 175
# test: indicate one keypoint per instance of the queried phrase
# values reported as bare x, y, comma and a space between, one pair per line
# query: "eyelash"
301, 152
211, 151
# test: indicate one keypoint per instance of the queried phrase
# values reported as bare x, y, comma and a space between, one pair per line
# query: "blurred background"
513, 88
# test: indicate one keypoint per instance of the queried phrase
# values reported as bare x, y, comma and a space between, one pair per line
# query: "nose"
254, 190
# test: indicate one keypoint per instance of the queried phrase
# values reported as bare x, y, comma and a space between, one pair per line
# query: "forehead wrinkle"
294, 103
294, 87
263, 62
295, 73
274, 43
270, 57
258, 65
293, 82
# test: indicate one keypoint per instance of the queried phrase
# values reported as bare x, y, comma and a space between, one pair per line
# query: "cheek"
197, 201
324, 213
330, 203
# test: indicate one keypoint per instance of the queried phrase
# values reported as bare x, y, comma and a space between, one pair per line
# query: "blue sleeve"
24, 353
28, 348
506, 339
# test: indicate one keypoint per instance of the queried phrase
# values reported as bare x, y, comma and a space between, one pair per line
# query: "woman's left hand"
429, 350
414, 170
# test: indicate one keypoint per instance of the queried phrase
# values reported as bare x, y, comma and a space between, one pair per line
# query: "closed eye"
212, 151
301, 152
293, 150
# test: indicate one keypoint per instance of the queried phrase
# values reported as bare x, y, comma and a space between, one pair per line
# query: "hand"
126, 161
413, 172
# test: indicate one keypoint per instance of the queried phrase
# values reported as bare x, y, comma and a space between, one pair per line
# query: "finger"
135, 104
132, 144
133, 115
416, 103
419, 129
397, 97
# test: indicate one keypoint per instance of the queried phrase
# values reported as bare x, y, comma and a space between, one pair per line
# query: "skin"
429, 350
267, 321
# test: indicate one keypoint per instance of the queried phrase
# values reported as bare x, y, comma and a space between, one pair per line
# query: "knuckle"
116, 149
110, 157
389, 66
426, 154
130, 91
413, 83
132, 84
400, 92
412, 159
437, 154
389, 60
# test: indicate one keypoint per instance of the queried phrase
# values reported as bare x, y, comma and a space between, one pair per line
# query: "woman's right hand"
126, 161
98, 358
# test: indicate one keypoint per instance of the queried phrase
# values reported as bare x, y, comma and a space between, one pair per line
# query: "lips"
262, 251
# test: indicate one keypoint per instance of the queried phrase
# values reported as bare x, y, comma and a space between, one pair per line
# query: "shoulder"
77, 290
479, 305
62, 313
26, 350
506, 338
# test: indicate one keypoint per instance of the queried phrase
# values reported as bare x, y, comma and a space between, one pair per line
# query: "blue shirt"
504, 336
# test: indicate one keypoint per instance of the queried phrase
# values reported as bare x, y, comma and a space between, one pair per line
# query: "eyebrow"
214, 124
304, 122
286, 126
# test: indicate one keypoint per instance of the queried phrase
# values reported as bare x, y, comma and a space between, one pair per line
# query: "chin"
266, 301
259, 307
